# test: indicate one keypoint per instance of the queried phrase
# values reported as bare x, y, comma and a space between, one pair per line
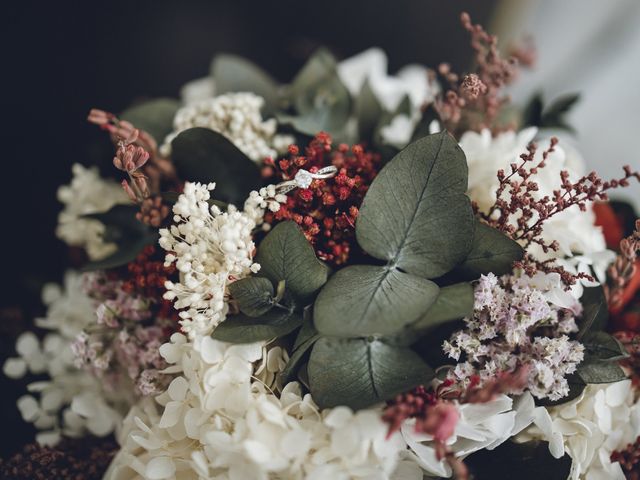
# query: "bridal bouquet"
355, 275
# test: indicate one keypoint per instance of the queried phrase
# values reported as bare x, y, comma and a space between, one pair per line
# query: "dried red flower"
629, 459
328, 209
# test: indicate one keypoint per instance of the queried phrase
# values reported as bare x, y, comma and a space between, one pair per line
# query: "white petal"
27, 344
171, 414
160, 468
15, 368
257, 451
29, 408
338, 417
178, 388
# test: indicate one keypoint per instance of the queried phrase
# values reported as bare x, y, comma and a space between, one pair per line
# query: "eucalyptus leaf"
368, 111
285, 254
359, 373
307, 331
243, 329
202, 155
154, 116
253, 294
416, 214
232, 73
491, 251
602, 346
126, 231
303, 343
599, 371
452, 303
369, 300
595, 312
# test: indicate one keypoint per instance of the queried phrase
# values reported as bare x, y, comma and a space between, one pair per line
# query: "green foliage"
122, 228
368, 110
602, 346
595, 312
492, 251
361, 372
202, 155
320, 100
272, 304
236, 74
600, 371
154, 116
553, 116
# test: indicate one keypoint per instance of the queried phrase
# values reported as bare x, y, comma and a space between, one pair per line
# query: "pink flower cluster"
515, 326
123, 345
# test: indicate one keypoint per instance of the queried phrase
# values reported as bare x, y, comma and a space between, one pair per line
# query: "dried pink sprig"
474, 101
515, 201
623, 268
437, 415
156, 170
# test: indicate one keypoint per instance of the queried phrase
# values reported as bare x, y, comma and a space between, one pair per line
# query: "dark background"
62, 58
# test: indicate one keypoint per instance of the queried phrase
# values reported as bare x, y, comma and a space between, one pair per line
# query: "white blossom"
217, 420
70, 401
237, 116
210, 249
87, 193
573, 229
603, 419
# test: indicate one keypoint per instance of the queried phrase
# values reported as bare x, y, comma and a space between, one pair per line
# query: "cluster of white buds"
237, 116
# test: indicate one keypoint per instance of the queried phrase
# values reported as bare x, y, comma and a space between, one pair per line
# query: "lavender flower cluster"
515, 325
123, 344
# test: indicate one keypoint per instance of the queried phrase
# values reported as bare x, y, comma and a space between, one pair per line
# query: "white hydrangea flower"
480, 426
71, 401
236, 116
605, 418
573, 229
218, 421
87, 193
210, 249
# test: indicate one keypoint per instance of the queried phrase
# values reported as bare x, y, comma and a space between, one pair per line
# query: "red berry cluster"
327, 210
629, 459
413, 404
146, 276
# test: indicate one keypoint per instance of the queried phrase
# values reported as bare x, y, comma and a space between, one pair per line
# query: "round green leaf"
359, 373
492, 251
202, 155
232, 73
243, 329
369, 300
253, 294
602, 346
285, 254
600, 371
154, 117
416, 214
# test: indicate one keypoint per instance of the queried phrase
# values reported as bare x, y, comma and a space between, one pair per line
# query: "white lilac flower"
516, 323
480, 426
210, 249
70, 401
605, 418
87, 193
217, 420
573, 229
237, 116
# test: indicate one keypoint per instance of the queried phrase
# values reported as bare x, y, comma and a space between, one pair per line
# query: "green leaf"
202, 155
154, 117
307, 331
122, 228
599, 371
367, 300
492, 251
416, 214
285, 254
595, 312
253, 294
307, 337
453, 303
242, 329
359, 373
368, 111
321, 100
602, 346
232, 73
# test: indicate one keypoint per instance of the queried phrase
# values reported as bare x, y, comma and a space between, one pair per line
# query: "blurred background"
62, 58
